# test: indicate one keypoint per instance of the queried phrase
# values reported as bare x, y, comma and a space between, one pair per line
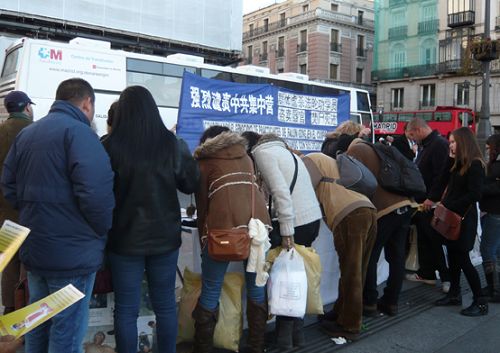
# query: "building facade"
330, 41
423, 55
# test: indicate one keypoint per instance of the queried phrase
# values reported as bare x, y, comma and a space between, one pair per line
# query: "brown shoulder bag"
231, 244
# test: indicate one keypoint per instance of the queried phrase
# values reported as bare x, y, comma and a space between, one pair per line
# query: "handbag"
446, 222
231, 244
275, 234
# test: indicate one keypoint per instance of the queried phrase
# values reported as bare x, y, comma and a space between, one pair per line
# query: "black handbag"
275, 234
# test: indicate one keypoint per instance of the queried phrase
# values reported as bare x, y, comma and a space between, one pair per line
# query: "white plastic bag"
287, 285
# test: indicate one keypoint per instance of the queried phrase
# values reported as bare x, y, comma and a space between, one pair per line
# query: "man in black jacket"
404, 144
430, 161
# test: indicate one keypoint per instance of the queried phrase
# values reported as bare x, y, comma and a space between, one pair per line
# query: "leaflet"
12, 235
22, 321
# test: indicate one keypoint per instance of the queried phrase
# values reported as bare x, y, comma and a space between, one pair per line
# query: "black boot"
284, 332
449, 300
298, 333
257, 318
478, 307
204, 325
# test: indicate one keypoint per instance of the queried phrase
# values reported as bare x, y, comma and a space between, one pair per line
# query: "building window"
250, 28
334, 70
398, 56
397, 98
303, 69
428, 95
334, 7
302, 41
456, 6
263, 56
266, 25
360, 17
461, 94
281, 47
334, 40
282, 19
359, 75
361, 46
305, 8
250, 54
281, 70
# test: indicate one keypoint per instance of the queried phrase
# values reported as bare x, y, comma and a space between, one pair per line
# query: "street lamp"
484, 126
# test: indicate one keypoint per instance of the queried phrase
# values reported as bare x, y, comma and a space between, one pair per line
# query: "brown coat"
224, 198
337, 201
385, 201
8, 132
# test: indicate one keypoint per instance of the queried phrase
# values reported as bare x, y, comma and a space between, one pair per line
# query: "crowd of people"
86, 199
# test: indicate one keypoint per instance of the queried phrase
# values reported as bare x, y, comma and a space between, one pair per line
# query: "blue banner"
302, 120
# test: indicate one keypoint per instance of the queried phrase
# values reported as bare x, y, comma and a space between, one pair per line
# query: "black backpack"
397, 173
354, 175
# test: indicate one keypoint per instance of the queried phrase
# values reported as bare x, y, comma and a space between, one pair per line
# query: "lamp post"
484, 126
469, 84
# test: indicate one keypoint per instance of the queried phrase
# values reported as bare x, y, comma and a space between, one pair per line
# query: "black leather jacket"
490, 202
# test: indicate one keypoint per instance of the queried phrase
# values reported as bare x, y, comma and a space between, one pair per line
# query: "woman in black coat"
490, 221
466, 180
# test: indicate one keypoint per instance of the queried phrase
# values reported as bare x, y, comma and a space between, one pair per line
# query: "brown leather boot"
204, 325
257, 319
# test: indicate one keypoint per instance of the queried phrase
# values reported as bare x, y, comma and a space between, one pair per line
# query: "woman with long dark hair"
463, 191
490, 222
150, 165
224, 201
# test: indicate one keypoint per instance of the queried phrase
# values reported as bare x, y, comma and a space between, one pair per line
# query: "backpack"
397, 173
354, 175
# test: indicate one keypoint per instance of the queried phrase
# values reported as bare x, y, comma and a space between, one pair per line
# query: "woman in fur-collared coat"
224, 202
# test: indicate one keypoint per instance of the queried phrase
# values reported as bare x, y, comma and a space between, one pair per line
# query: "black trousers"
304, 234
430, 249
460, 261
392, 233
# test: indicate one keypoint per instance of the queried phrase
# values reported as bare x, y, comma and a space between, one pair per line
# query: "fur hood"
213, 146
269, 138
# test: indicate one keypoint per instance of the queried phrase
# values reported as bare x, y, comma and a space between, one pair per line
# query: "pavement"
420, 327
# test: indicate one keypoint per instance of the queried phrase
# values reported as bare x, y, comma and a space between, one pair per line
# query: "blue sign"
302, 120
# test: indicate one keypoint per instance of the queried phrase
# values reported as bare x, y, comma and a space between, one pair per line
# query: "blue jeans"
490, 239
212, 277
65, 331
127, 273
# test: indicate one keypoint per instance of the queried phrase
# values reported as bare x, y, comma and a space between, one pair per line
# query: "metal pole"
484, 126
475, 95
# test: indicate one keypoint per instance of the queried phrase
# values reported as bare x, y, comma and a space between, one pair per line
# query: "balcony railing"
336, 47
319, 13
405, 72
398, 32
361, 52
281, 52
301, 47
263, 57
427, 27
460, 19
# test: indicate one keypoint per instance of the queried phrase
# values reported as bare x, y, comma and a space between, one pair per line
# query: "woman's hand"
9, 344
287, 242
